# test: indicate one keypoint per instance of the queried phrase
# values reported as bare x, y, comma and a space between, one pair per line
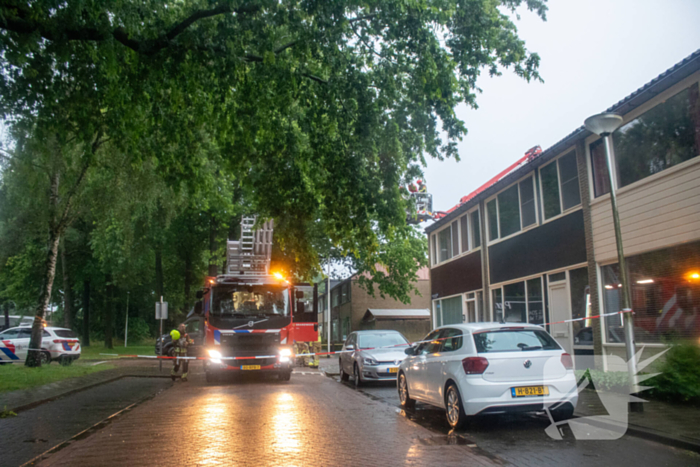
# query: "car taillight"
567, 361
475, 365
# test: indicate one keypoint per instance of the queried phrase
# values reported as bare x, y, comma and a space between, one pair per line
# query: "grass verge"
96, 348
17, 376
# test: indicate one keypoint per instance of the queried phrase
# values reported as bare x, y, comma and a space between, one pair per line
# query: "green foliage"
613, 381
679, 380
7, 413
164, 121
138, 330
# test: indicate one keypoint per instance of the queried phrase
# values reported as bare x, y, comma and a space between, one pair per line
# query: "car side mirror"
199, 294
410, 351
299, 294
350, 347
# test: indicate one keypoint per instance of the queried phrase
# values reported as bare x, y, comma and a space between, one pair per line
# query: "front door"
560, 310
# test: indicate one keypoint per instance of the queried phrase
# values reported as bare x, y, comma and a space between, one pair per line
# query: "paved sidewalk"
674, 424
25, 399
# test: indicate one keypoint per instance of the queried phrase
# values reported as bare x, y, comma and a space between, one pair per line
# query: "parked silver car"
372, 356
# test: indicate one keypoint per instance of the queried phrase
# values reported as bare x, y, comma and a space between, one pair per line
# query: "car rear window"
512, 340
65, 333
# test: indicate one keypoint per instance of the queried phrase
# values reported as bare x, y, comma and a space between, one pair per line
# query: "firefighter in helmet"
180, 342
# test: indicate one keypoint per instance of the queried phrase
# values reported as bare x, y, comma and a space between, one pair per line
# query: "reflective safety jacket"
180, 345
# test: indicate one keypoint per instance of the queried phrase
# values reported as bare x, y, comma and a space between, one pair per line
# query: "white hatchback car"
57, 344
482, 368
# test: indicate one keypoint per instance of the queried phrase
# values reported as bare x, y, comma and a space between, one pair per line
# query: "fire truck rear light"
475, 365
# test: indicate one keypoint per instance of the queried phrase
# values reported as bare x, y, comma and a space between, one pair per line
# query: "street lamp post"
604, 125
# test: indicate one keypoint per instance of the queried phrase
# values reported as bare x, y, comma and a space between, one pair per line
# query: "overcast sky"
593, 54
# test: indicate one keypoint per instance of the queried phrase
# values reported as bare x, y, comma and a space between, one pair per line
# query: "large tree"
318, 108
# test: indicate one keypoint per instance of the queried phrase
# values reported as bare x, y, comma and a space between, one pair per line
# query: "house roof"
665, 80
377, 313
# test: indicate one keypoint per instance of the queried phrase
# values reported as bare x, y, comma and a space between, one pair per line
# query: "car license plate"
393, 370
250, 367
530, 391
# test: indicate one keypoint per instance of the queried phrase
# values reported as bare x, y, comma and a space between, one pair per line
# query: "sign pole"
162, 343
328, 314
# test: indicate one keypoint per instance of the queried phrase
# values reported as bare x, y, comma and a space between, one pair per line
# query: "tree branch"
53, 30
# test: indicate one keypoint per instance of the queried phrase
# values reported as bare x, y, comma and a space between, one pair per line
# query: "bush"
613, 381
679, 380
138, 330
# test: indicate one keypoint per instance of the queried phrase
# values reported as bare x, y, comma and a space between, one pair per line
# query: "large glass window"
242, 300
560, 190
492, 213
497, 301
445, 242
527, 202
550, 191
455, 238
514, 304
509, 211
568, 179
665, 290
601, 180
434, 249
452, 310
512, 210
476, 232
662, 137
464, 232
535, 303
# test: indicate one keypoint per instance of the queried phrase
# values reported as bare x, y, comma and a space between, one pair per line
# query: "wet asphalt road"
36, 430
521, 439
312, 420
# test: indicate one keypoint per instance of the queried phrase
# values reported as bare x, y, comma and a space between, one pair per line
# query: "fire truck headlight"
285, 355
215, 356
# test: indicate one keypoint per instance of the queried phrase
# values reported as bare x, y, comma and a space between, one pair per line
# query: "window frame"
536, 224
455, 227
524, 281
562, 212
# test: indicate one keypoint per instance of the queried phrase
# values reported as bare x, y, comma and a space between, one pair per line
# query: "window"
449, 310
568, 179
660, 138
508, 211
345, 293
560, 190
512, 210
438, 313
451, 339
431, 346
455, 239
445, 241
476, 232
665, 292
514, 341
334, 297
474, 312
434, 250
527, 202
492, 216
464, 232
519, 302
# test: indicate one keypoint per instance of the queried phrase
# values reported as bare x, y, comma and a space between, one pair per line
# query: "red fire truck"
248, 319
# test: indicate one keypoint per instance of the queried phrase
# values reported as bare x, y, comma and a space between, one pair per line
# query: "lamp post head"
603, 124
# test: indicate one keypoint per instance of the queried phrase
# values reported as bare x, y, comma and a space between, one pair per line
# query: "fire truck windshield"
250, 300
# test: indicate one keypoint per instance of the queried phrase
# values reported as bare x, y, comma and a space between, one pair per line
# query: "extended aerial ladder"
251, 254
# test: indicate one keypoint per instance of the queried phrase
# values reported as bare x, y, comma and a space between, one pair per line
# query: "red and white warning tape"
259, 357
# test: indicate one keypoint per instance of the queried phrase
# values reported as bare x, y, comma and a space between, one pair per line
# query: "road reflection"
215, 429
285, 425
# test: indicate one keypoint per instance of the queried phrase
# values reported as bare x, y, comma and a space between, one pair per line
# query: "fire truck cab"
250, 318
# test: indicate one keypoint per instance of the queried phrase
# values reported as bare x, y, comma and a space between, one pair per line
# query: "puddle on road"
449, 440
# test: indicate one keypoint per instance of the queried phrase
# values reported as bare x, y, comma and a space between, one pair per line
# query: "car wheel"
45, 357
453, 407
563, 412
285, 376
404, 397
357, 376
343, 376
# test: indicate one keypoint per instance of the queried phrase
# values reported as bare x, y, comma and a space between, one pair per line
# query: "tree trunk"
213, 228
6, 322
159, 274
188, 281
86, 314
67, 292
109, 313
33, 355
